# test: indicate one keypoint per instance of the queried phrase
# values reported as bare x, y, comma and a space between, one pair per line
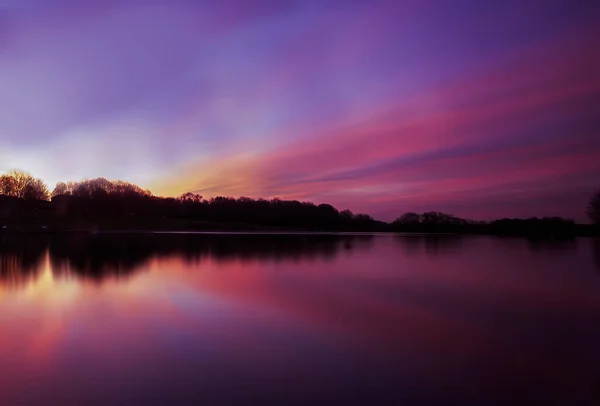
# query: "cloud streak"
531, 122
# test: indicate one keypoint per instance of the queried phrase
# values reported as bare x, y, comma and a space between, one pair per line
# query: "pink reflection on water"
439, 314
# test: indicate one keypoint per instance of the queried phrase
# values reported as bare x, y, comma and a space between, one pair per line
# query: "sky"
479, 109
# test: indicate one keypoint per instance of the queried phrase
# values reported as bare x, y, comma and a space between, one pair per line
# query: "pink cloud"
530, 120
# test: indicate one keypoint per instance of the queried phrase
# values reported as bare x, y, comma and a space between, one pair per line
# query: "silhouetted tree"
434, 217
100, 201
60, 189
36, 189
347, 215
431, 222
100, 204
408, 219
7, 185
593, 209
407, 222
190, 197
23, 185
363, 217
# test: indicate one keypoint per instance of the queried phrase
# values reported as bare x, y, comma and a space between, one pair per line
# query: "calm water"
199, 319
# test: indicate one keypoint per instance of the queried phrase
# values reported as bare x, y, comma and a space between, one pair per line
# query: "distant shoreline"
99, 205
588, 231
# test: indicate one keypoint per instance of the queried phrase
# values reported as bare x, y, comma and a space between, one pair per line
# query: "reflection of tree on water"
596, 252
20, 259
268, 247
430, 244
96, 258
551, 245
99, 256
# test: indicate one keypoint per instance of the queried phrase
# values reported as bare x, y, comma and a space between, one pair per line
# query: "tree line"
117, 204
97, 200
23, 185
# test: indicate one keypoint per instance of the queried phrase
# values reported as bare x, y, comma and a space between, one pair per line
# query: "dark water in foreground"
179, 319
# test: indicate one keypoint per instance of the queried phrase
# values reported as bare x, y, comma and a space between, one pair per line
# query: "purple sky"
478, 108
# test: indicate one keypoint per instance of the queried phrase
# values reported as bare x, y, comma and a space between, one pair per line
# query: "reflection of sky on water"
475, 319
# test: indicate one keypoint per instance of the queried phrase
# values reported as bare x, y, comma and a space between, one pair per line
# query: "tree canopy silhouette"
432, 221
24, 186
99, 188
593, 209
436, 222
99, 199
96, 204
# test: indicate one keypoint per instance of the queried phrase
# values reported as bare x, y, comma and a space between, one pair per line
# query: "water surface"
219, 319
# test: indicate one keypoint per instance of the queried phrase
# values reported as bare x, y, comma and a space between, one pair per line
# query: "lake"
180, 319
